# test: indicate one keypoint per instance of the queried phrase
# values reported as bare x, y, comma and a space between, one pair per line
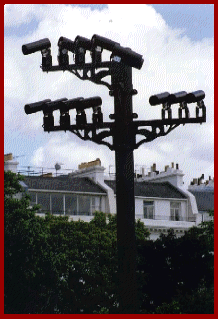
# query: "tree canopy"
57, 266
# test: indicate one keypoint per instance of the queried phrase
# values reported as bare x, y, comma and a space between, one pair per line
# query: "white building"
204, 194
161, 202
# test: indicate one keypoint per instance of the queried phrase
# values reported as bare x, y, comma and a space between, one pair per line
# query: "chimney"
177, 166
9, 163
154, 167
166, 167
172, 164
92, 169
46, 175
8, 157
97, 162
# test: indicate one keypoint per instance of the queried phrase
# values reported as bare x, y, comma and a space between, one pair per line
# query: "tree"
178, 273
21, 233
56, 266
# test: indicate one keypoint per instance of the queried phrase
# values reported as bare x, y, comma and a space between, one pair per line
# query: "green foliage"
57, 266
11, 184
101, 311
178, 271
172, 308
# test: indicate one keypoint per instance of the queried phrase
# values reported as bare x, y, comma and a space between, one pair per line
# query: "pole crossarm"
88, 71
96, 138
157, 128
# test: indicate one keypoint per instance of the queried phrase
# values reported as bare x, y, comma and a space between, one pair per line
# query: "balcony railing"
41, 211
137, 216
167, 218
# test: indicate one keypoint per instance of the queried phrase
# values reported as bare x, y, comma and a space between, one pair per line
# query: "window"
43, 199
175, 211
96, 204
84, 203
148, 207
32, 198
57, 203
70, 204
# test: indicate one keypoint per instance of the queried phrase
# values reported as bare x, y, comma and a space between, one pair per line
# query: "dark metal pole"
124, 138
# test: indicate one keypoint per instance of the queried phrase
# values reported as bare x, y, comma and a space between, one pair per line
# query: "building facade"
161, 202
204, 194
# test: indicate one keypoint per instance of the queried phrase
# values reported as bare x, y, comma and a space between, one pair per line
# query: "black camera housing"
127, 56
35, 107
33, 47
66, 43
195, 96
178, 97
160, 98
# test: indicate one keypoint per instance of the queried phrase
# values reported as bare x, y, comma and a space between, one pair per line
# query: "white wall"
11, 165
161, 208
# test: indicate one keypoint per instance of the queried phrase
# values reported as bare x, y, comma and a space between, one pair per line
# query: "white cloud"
68, 149
17, 14
172, 63
38, 157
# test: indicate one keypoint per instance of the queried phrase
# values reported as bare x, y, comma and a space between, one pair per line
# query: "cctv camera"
65, 43
195, 96
157, 99
103, 42
88, 103
35, 107
36, 46
177, 97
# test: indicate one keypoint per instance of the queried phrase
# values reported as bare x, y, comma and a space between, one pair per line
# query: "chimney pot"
166, 167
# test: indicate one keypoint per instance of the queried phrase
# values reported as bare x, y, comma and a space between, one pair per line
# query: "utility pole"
123, 128
124, 142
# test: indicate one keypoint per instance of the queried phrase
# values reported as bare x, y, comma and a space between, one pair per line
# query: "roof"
205, 200
63, 183
86, 185
153, 189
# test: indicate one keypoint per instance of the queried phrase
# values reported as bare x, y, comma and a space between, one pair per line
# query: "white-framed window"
43, 199
68, 204
84, 204
57, 203
33, 199
148, 209
71, 204
95, 204
175, 211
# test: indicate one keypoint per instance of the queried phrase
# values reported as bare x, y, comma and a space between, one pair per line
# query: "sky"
177, 44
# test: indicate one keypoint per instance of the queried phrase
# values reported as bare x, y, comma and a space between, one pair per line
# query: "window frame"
175, 212
149, 215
